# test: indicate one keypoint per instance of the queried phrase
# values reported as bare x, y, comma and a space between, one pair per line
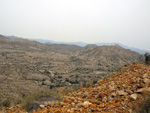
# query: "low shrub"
30, 98
145, 106
6, 102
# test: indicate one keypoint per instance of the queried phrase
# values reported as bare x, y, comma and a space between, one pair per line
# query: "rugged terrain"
123, 92
27, 66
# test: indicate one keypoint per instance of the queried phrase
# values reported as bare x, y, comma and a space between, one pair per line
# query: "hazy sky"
92, 21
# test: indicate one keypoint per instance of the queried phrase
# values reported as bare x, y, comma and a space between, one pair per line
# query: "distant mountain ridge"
81, 44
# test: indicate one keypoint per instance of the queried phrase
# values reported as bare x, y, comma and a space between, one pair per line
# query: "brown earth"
123, 92
28, 66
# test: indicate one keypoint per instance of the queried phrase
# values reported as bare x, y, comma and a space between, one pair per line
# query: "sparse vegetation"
37, 95
27, 66
6, 102
54, 94
92, 98
145, 106
59, 76
147, 58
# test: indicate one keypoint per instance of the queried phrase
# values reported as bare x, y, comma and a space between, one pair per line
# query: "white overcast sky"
92, 21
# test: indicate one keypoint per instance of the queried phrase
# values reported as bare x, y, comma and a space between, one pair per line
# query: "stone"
42, 106
148, 89
86, 106
130, 111
122, 93
116, 104
129, 92
57, 111
104, 99
79, 104
145, 75
85, 94
141, 90
73, 103
47, 82
112, 87
133, 96
86, 103
113, 94
100, 95
51, 103
101, 105
110, 97
146, 80
140, 85
93, 105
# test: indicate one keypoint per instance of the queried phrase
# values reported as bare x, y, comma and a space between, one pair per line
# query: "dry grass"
37, 95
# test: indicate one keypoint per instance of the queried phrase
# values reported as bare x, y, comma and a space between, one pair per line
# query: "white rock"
121, 93
146, 80
86, 103
141, 90
73, 103
133, 96
42, 106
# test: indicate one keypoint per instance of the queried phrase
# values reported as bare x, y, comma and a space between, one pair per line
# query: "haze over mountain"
82, 44
121, 21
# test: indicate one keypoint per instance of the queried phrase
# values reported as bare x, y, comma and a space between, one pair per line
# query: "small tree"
147, 58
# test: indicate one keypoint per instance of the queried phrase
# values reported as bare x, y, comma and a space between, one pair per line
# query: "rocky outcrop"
120, 93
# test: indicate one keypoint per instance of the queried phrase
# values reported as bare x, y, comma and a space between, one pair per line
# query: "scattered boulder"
42, 106
146, 80
141, 90
133, 96
86, 103
122, 93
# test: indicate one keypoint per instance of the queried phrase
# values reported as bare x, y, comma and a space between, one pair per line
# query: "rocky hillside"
27, 66
123, 92
109, 56
64, 48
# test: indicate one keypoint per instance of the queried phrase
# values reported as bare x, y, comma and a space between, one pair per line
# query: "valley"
27, 66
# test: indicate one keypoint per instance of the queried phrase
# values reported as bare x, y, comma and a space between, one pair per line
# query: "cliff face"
120, 93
